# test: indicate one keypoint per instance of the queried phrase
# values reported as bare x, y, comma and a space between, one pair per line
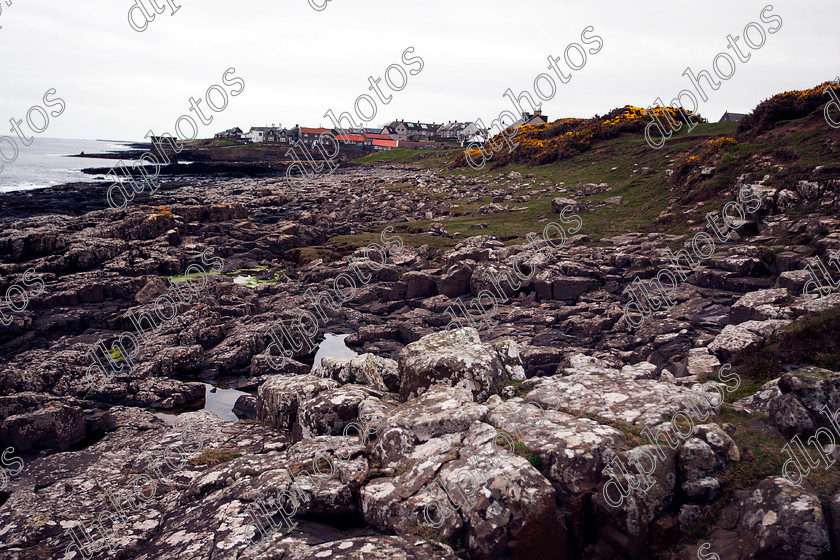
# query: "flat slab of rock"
641, 402
761, 305
738, 338
572, 449
57, 426
367, 369
701, 362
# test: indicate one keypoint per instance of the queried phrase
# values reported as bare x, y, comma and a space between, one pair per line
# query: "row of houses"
395, 134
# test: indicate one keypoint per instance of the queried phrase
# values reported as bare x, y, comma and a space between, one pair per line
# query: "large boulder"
419, 284
477, 248
366, 369
569, 288
56, 426
439, 411
738, 338
280, 396
558, 204
492, 501
330, 411
761, 399
804, 393
456, 358
456, 280
616, 397
245, 407
572, 449
775, 520
628, 501
760, 305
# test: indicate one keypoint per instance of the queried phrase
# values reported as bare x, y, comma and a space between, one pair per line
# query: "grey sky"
298, 62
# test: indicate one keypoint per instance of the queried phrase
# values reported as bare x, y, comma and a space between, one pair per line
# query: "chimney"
538, 113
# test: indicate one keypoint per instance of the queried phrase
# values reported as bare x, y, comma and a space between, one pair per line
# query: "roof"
415, 126
385, 143
455, 126
424, 127
304, 130
732, 116
351, 137
378, 136
360, 130
529, 119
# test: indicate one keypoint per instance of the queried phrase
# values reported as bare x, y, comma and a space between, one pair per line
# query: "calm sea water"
42, 164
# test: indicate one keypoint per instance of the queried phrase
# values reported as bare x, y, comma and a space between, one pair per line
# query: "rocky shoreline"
561, 332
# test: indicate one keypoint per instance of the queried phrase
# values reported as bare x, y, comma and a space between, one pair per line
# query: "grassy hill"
786, 138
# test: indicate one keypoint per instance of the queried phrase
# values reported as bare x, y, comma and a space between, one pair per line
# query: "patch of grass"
813, 339
241, 270
810, 340
183, 277
213, 457
747, 388
306, 255
323, 465
422, 158
516, 384
596, 287
115, 354
532, 457
768, 254
273, 280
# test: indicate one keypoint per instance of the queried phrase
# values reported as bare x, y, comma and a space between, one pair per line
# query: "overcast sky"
297, 62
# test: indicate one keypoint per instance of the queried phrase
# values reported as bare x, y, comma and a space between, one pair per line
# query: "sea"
43, 163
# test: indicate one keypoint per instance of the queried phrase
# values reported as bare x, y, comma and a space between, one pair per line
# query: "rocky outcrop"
774, 520
456, 358
809, 399
500, 446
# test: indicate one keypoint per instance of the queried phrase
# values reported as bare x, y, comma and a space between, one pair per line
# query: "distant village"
397, 134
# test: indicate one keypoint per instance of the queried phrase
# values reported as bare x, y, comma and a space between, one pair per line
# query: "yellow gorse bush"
539, 144
717, 144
